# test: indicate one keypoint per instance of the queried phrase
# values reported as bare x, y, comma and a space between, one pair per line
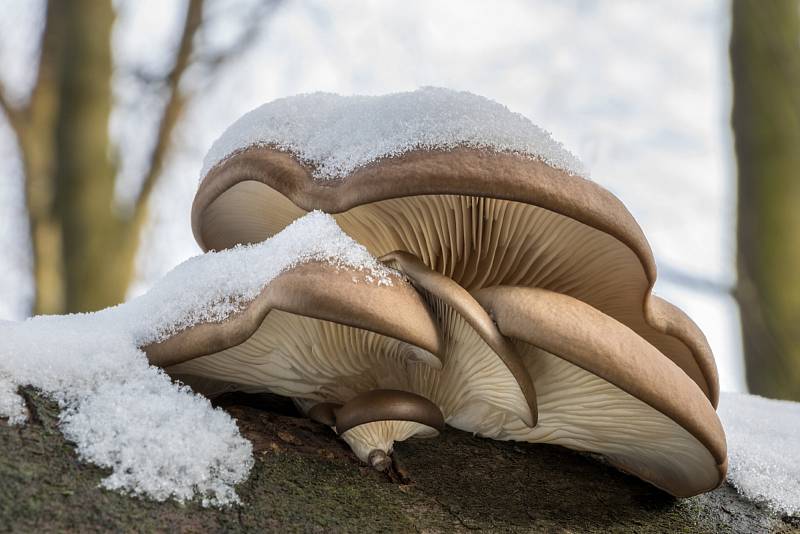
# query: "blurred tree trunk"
95, 242
83, 248
765, 59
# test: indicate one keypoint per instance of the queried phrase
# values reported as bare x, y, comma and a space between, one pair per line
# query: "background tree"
83, 244
765, 58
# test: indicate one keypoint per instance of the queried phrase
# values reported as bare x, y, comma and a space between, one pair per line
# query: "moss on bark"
306, 480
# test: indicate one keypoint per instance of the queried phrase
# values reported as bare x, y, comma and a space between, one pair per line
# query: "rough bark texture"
306, 480
765, 59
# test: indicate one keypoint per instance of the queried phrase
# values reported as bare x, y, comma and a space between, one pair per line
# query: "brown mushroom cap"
483, 382
324, 334
309, 326
372, 421
602, 388
386, 405
481, 218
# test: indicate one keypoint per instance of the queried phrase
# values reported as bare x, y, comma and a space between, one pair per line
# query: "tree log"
305, 479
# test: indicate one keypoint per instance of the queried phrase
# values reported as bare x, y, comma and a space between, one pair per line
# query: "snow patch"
160, 439
338, 134
763, 449
12, 406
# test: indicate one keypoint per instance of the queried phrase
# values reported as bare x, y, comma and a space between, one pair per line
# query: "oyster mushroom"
377, 363
484, 214
478, 193
602, 388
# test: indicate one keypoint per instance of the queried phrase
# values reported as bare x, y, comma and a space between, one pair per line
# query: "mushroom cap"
478, 216
372, 421
322, 333
604, 389
386, 405
373, 442
483, 382
330, 305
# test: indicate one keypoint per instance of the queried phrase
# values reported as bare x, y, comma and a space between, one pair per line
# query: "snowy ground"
763, 449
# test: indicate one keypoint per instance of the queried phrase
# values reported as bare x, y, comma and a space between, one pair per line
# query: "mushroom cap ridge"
460, 171
583, 336
317, 290
438, 322
378, 405
460, 299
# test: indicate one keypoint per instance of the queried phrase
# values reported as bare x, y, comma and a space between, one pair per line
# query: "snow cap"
336, 134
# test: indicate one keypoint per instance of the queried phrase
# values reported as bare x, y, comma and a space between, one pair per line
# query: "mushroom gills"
479, 242
373, 442
584, 412
476, 380
482, 383
603, 389
302, 357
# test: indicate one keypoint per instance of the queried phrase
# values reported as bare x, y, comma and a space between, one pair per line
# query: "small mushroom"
480, 217
377, 363
372, 421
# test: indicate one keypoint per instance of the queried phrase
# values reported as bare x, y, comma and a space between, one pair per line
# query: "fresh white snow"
160, 439
763, 449
338, 134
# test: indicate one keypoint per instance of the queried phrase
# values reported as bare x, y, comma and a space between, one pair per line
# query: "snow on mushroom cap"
338, 134
160, 439
211, 287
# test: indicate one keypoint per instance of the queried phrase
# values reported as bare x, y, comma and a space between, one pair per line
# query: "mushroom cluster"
521, 308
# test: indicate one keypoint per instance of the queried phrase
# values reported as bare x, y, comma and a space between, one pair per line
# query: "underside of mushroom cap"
373, 442
482, 218
327, 335
602, 388
303, 349
321, 292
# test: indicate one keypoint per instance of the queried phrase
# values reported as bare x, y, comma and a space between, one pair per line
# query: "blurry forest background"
107, 108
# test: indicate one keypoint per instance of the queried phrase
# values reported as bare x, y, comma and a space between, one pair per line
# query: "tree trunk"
83, 251
765, 59
96, 250
37, 142
83, 248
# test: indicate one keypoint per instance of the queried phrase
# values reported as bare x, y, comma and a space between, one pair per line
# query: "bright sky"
639, 90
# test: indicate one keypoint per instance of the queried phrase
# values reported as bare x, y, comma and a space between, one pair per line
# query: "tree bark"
765, 60
305, 479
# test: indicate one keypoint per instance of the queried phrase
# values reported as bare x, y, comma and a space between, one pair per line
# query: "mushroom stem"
379, 460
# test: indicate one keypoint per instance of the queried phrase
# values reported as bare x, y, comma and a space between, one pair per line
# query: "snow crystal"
763, 449
337, 134
160, 439
11, 404
212, 286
